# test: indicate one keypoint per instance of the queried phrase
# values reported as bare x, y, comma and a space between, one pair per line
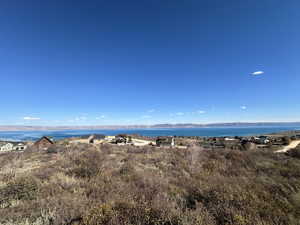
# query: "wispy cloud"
201, 112
29, 118
258, 73
151, 111
81, 118
100, 117
243, 107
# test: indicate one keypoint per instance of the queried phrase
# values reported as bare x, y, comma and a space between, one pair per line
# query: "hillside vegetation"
126, 185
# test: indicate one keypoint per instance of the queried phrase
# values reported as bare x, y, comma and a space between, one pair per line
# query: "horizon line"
149, 125
153, 124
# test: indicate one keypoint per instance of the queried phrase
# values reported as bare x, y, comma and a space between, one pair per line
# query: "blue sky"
149, 61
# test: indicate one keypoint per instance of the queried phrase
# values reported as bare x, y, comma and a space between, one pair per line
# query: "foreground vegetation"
126, 185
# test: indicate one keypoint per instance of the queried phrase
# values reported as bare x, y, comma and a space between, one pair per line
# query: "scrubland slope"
118, 185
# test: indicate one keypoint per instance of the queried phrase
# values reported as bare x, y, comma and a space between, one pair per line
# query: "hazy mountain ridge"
156, 126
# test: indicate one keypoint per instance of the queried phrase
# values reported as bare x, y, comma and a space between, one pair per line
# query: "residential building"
95, 138
165, 142
7, 147
19, 146
43, 143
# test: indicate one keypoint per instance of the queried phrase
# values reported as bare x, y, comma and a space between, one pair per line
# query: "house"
93, 138
96, 138
281, 140
165, 142
13, 146
6, 147
230, 143
230, 139
264, 139
120, 139
43, 143
109, 138
19, 146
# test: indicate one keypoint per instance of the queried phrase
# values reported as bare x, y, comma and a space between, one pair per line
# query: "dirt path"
292, 145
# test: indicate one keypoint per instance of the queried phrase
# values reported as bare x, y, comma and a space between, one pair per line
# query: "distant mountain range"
156, 126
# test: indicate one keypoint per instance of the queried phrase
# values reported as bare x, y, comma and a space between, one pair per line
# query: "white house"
165, 141
230, 139
7, 147
19, 147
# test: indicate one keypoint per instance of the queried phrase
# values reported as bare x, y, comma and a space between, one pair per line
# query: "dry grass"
127, 185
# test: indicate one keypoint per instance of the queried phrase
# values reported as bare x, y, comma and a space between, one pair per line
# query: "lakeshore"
33, 135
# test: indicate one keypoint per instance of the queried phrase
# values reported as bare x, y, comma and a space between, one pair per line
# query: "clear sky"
93, 62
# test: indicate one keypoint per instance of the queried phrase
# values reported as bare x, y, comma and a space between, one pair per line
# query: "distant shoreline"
213, 131
156, 126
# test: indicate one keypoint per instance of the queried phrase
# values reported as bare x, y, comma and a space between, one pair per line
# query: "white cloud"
258, 73
31, 118
243, 107
100, 117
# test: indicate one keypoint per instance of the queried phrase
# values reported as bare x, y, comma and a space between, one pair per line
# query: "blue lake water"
208, 132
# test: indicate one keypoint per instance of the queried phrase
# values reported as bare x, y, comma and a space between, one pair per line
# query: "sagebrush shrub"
22, 188
117, 185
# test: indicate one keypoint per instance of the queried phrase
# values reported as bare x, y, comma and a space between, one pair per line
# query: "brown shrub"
86, 164
21, 188
149, 186
295, 153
